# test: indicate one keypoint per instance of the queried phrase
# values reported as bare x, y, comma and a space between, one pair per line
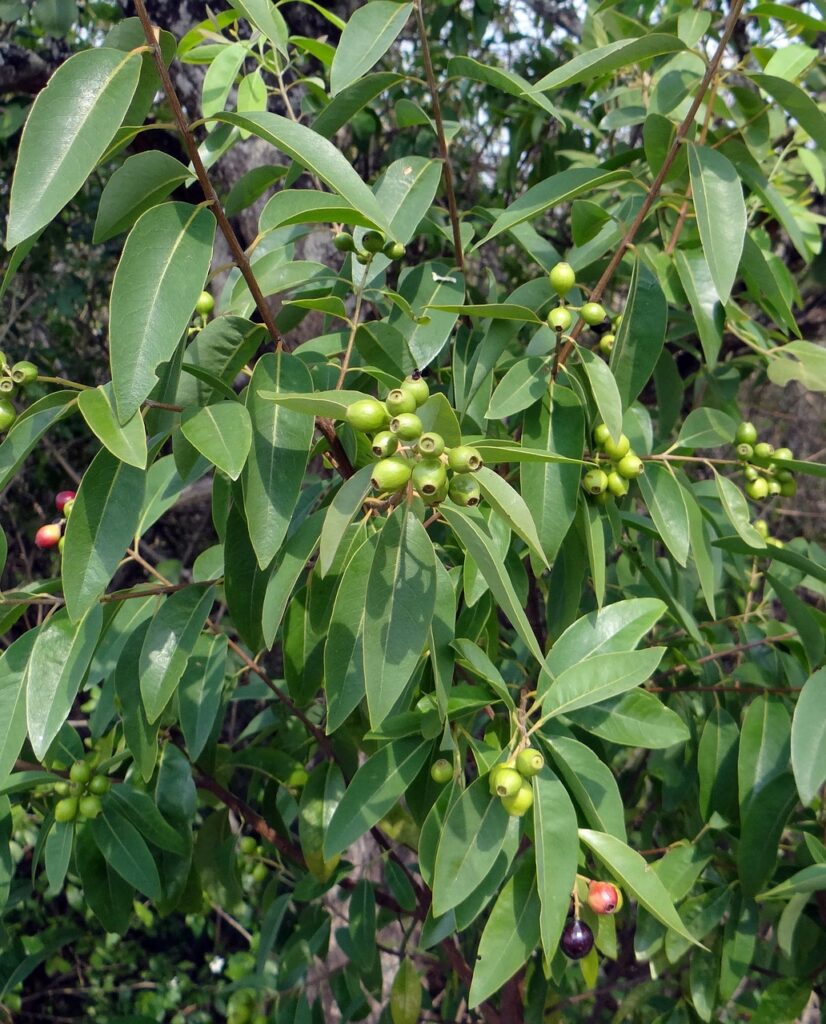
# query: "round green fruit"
464, 459
746, 433
247, 845
617, 449
595, 481
407, 425
62, 788
417, 386
464, 491
617, 484
630, 466
562, 278
391, 474
373, 241
260, 873
744, 452
438, 497
7, 386
783, 454
344, 242
762, 527
24, 373
529, 762
98, 785
750, 473
394, 250
606, 344
493, 775
788, 488
8, 413
429, 476
399, 400
521, 802
80, 772
560, 318
430, 445
66, 809
763, 450
601, 434
508, 782
384, 444
90, 807
364, 258
205, 304
367, 414
775, 487
441, 771
757, 489
592, 313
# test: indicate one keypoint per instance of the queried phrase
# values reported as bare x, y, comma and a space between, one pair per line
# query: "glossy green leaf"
222, 348
736, 509
161, 273
29, 427
721, 213
102, 526
141, 182
664, 500
706, 428
108, 895
423, 286
706, 307
341, 512
480, 665
58, 662
245, 583
811, 879
592, 529
319, 799
635, 719
604, 390
808, 750
295, 554
557, 851
221, 432
126, 442
797, 103
406, 993
143, 812
125, 851
200, 692
717, 765
70, 125
523, 384
267, 19
603, 60
13, 663
764, 747
367, 36
641, 334
508, 503
590, 782
762, 824
58, 853
140, 734
374, 789
307, 206
362, 923
599, 678
504, 80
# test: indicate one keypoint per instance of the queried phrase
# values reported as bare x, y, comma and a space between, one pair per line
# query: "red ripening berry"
603, 898
62, 497
47, 536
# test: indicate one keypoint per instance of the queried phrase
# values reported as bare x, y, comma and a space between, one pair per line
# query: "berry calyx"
8, 414
205, 304
407, 425
746, 433
441, 771
601, 434
373, 241
617, 484
394, 250
577, 940
48, 536
775, 487
247, 845
560, 318
416, 385
595, 481
367, 414
630, 466
521, 802
508, 782
391, 474
384, 444
592, 313
431, 445
757, 489
606, 344
744, 452
464, 459
24, 373
429, 476
604, 898
89, 807
98, 785
62, 497
66, 809
562, 278
529, 762
80, 772
464, 491
398, 400
344, 242
617, 449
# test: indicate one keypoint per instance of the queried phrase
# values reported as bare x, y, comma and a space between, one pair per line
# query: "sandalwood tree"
492, 687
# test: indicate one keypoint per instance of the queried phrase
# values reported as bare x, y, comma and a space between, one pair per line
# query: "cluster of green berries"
764, 477
80, 795
12, 377
51, 534
250, 851
622, 466
408, 454
560, 318
374, 242
510, 781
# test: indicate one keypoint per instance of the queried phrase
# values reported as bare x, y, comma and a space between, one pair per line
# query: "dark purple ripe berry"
577, 940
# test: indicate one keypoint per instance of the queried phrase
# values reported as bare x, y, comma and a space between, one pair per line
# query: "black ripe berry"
577, 940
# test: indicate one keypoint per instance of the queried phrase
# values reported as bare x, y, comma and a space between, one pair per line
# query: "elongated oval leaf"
664, 500
721, 214
200, 692
523, 384
557, 850
809, 737
736, 509
602, 60
367, 36
141, 182
641, 334
510, 505
127, 442
29, 427
605, 391
221, 432
13, 663
125, 851
635, 719
340, 514
590, 782
597, 678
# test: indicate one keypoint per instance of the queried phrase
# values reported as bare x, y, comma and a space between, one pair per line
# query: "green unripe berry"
8, 414
68, 506
205, 304
247, 845
464, 459
601, 434
398, 400
441, 771
521, 802
394, 250
438, 497
407, 425
90, 807
391, 474
464, 491
364, 258
750, 473
493, 775
595, 481
560, 318
384, 444
24, 373
260, 873
617, 484
762, 527
62, 788
508, 782
373, 241
784, 475
783, 454
606, 344
616, 450
744, 452
763, 450
98, 785
80, 772
344, 242
416, 385
367, 414
775, 487
7, 386
66, 809
429, 476
775, 543
746, 433
788, 488
603, 499
259, 1018
562, 278
529, 762
431, 445
592, 313
757, 489
630, 466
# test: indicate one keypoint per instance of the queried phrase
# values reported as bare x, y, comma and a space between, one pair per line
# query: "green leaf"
811, 879
245, 583
809, 737
762, 824
333, 404
557, 851
13, 663
501, 79
480, 665
58, 853
29, 427
721, 214
295, 554
794, 102
509, 451
717, 765
523, 384
308, 206
200, 692
401, 595
140, 734
554, 191
641, 334
709, 314
473, 533
604, 389
592, 527
102, 526
222, 433
59, 659
143, 812
472, 836
126, 442
589, 781
222, 348
494, 311
598, 678
316, 154
764, 747
281, 442
319, 799
736, 509
603, 60
664, 500
367, 36
406, 191
374, 789
362, 923
267, 19
511, 934
142, 181
509, 504
160, 275
631, 871
706, 428
108, 895
635, 719
71, 123
125, 851
406, 991
799, 360
169, 642
340, 513
424, 286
